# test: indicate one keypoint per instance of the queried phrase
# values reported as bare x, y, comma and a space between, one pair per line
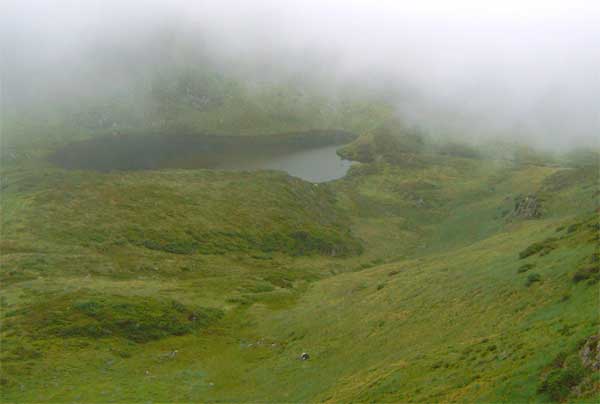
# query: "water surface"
307, 155
314, 165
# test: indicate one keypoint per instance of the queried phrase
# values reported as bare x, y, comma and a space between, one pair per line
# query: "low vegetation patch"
566, 373
525, 267
533, 278
541, 248
569, 375
589, 270
136, 318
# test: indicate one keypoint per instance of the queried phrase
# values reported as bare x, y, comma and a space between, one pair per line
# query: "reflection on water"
314, 165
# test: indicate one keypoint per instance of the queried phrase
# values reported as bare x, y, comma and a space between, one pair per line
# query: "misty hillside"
298, 202
193, 100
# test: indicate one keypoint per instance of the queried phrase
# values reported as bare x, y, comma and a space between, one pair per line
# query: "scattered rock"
590, 353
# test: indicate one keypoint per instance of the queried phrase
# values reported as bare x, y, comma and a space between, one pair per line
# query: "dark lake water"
307, 155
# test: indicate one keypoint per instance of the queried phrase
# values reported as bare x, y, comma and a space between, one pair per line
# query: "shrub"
173, 247
567, 373
525, 267
588, 272
532, 278
541, 247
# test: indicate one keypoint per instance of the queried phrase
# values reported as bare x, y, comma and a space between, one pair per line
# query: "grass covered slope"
427, 274
469, 307
459, 326
188, 213
116, 261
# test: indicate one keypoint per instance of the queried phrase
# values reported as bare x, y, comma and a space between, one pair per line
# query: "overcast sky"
525, 68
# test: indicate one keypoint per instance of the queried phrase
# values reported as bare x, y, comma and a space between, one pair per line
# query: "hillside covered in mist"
338, 201
513, 71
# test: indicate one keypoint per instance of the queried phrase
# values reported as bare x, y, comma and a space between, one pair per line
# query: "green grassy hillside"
430, 273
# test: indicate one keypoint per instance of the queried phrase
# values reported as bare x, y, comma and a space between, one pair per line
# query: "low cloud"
516, 69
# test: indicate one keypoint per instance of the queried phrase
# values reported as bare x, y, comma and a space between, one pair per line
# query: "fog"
513, 69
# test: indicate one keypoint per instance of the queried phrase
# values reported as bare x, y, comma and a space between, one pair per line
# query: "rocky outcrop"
590, 353
527, 207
